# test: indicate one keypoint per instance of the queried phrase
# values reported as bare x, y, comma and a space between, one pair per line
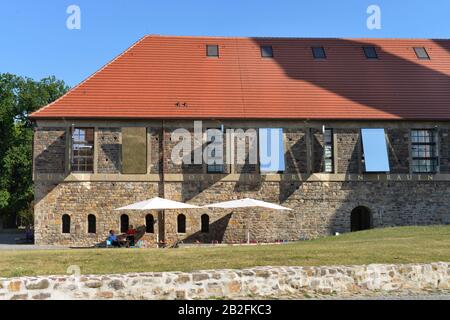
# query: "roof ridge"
288, 38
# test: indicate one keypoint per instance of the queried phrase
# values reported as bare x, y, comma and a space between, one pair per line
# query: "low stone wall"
259, 281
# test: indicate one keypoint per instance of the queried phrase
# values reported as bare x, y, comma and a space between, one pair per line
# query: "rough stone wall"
109, 148
49, 150
398, 149
296, 151
229, 283
80, 199
348, 150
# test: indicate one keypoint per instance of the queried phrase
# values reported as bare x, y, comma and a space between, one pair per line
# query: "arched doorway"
361, 219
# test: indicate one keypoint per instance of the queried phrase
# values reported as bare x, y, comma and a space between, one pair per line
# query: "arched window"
361, 219
65, 223
181, 223
124, 223
92, 224
205, 223
149, 224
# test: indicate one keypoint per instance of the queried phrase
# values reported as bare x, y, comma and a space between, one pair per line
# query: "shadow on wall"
216, 232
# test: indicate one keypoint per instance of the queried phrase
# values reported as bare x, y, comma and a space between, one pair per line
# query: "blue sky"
35, 41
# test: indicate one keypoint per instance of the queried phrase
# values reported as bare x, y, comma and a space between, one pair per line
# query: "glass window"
421, 53
423, 151
92, 224
271, 150
205, 223
181, 223
65, 223
83, 150
370, 52
217, 159
149, 223
375, 150
212, 50
266, 51
328, 150
319, 53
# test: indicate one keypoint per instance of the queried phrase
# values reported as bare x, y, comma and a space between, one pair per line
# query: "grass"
389, 245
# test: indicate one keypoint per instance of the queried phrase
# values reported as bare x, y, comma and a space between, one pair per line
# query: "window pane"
212, 50
375, 150
271, 150
370, 52
82, 149
421, 53
266, 51
318, 53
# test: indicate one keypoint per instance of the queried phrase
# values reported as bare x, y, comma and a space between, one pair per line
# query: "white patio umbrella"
246, 203
158, 203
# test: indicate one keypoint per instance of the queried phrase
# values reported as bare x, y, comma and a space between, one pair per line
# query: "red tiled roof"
148, 79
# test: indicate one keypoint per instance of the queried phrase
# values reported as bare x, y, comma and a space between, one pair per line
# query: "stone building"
108, 142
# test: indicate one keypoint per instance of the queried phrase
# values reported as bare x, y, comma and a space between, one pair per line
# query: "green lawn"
390, 245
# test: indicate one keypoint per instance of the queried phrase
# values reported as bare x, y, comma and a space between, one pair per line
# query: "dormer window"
318, 53
370, 52
212, 50
266, 52
421, 53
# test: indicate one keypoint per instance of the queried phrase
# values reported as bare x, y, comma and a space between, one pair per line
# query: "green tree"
20, 96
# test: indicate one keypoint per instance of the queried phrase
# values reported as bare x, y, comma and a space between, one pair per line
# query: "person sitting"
112, 238
131, 235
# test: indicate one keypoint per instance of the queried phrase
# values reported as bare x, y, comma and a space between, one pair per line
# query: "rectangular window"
83, 150
266, 51
212, 50
134, 150
370, 52
271, 150
375, 150
424, 151
421, 53
210, 138
328, 150
319, 53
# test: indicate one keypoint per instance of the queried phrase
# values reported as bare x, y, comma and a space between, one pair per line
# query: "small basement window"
421, 53
370, 52
375, 150
319, 53
212, 50
266, 52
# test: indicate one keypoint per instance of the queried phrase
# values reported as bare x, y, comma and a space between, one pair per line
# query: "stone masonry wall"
254, 282
348, 150
49, 150
319, 209
109, 149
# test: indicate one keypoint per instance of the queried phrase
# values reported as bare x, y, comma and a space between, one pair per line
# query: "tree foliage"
19, 97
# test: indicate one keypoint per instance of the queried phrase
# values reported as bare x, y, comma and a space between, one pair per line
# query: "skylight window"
271, 150
421, 53
375, 150
318, 53
212, 50
370, 52
266, 51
